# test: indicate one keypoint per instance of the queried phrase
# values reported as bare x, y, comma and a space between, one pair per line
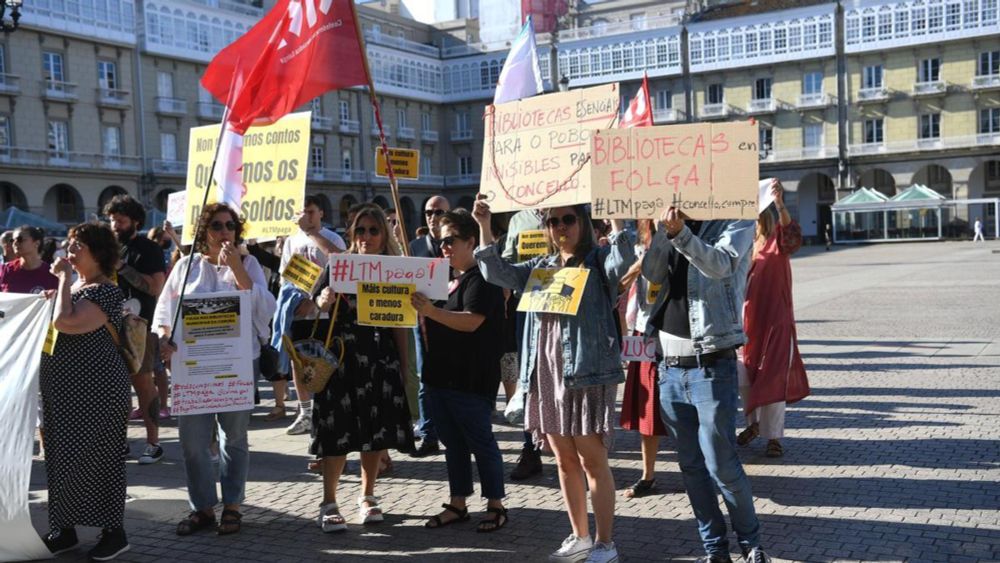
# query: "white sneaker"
302, 425
603, 553
756, 555
573, 550
330, 519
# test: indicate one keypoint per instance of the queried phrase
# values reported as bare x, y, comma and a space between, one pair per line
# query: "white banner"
24, 320
638, 349
429, 275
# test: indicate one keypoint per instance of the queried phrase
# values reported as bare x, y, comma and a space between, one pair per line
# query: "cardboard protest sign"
386, 304
531, 244
536, 151
707, 170
428, 275
551, 290
275, 158
405, 163
638, 349
302, 273
176, 204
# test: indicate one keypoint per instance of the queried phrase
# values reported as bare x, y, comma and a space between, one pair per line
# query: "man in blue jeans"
703, 267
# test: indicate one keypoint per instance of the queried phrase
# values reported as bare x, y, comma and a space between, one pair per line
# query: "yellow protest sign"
386, 304
554, 291
275, 158
707, 170
652, 292
302, 273
49, 346
405, 163
536, 151
531, 244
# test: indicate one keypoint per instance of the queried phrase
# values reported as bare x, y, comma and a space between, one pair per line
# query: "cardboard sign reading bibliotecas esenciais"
536, 151
707, 170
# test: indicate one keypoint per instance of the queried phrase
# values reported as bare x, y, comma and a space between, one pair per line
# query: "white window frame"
664, 99
929, 70
809, 82
987, 60
345, 110
317, 157
58, 139
872, 76
465, 165
111, 140
763, 85
710, 99
990, 117
346, 159
164, 84
53, 66
105, 79
168, 146
874, 131
812, 136
929, 126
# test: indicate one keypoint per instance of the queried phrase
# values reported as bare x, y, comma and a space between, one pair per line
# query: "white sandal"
369, 514
330, 519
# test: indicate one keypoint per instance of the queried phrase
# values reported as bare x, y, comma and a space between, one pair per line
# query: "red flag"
299, 50
640, 110
545, 13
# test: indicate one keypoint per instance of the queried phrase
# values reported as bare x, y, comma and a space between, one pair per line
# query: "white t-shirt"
301, 244
979, 226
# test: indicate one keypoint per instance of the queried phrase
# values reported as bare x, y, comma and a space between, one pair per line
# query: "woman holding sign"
571, 364
216, 267
363, 407
461, 374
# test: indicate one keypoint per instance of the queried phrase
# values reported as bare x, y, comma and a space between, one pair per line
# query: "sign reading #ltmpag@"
275, 162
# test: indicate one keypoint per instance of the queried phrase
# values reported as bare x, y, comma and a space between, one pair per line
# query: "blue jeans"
424, 426
699, 407
195, 432
464, 425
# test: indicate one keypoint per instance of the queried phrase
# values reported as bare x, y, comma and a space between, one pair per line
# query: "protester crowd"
715, 296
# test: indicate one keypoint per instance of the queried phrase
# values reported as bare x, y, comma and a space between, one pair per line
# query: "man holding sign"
703, 268
303, 256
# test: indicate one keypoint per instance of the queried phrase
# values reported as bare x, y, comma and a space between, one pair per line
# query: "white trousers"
979, 236
769, 418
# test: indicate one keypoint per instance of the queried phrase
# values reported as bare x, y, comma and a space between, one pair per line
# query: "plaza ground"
894, 457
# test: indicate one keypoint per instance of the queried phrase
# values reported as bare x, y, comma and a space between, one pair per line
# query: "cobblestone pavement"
894, 456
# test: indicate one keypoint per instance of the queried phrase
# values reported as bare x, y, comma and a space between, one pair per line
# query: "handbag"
268, 361
314, 362
133, 348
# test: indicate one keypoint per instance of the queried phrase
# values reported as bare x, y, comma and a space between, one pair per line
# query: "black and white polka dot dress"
85, 401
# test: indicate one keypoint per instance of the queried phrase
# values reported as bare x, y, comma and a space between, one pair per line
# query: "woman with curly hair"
216, 266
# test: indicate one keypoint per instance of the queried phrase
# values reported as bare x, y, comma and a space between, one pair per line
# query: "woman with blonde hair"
363, 407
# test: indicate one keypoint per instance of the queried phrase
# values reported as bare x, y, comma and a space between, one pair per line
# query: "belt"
703, 360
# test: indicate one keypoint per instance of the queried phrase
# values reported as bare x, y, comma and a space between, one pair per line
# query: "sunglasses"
450, 241
433, 212
372, 231
219, 226
568, 220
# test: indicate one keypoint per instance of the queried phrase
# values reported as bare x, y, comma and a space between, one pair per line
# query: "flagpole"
204, 203
393, 185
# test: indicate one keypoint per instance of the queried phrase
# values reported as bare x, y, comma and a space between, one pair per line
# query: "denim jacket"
591, 351
717, 279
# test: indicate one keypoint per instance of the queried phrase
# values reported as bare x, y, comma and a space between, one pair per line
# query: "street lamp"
9, 24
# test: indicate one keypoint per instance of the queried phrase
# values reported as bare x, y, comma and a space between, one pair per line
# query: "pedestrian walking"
140, 273
461, 373
771, 373
363, 406
85, 396
216, 266
571, 368
978, 229
28, 273
702, 270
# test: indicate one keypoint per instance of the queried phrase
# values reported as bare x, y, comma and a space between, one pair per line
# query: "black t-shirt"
674, 317
467, 361
147, 258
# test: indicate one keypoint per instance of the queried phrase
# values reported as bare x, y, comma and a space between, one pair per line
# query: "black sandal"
748, 435
499, 521
641, 488
463, 515
194, 522
230, 522
774, 449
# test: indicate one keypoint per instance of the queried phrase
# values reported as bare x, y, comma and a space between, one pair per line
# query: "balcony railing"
988, 138
933, 144
931, 88
171, 106
68, 159
9, 83
374, 131
713, 111
350, 126
111, 97
985, 82
462, 179
461, 135
930, 143
813, 101
667, 115
763, 105
407, 133
170, 167
59, 90
868, 148
877, 94
802, 153
210, 110
429, 135
322, 123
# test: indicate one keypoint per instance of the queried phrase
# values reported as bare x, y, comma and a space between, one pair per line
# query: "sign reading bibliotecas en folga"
275, 162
